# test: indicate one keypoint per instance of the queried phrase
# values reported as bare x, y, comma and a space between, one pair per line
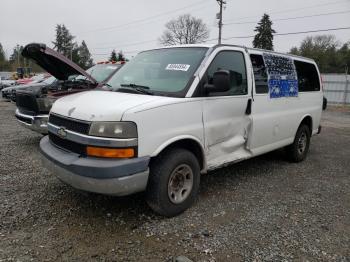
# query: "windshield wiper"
139, 88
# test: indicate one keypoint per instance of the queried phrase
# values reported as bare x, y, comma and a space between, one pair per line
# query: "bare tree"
186, 29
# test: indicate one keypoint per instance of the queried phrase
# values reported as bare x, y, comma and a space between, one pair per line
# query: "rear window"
308, 79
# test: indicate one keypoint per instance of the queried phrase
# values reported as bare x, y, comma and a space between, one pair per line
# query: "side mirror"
221, 82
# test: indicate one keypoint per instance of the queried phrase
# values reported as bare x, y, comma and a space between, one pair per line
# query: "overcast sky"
135, 25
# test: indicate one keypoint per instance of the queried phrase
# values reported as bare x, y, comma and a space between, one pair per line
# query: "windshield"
49, 80
100, 72
165, 70
37, 78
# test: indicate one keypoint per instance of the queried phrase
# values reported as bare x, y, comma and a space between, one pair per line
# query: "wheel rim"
302, 143
180, 184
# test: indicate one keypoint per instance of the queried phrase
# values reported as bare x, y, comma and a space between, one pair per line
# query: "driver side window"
233, 61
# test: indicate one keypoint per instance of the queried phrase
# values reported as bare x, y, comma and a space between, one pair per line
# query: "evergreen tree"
75, 54
121, 56
264, 37
2, 54
16, 56
85, 60
4, 65
64, 43
113, 56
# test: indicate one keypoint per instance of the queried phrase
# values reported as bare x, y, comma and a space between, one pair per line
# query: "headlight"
45, 104
114, 129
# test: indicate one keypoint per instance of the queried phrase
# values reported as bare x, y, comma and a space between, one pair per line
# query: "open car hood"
53, 62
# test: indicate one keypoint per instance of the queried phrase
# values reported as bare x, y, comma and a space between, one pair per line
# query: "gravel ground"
263, 209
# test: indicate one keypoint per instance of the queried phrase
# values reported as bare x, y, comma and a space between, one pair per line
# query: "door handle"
248, 110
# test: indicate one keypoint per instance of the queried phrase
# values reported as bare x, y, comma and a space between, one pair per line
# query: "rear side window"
260, 74
308, 79
233, 61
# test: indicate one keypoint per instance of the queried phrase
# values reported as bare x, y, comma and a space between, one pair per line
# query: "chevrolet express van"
175, 113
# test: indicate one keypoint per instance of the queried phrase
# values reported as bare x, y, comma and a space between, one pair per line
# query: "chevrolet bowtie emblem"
61, 132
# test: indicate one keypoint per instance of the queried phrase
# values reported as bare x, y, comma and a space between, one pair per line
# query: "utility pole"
219, 16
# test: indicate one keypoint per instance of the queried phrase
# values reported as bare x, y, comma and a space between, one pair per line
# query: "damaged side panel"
226, 130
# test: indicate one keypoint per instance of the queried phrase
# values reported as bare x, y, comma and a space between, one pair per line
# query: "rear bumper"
37, 123
105, 176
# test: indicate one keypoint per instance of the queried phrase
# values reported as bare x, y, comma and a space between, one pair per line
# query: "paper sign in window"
177, 67
283, 81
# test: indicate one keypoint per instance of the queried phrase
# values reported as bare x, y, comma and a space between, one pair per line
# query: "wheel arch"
190, 143
307, 119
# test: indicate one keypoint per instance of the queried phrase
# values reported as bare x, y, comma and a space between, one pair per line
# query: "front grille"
67, 144
74, 125
23, 119
27, 102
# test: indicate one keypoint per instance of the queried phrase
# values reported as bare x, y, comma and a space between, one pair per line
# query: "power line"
281, 19
291, 18
149, 22
250, 36
124, 52
131, 44
293, 33
147, 18
291, 10
313, 31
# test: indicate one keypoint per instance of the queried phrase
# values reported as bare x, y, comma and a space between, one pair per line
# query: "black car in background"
10, 92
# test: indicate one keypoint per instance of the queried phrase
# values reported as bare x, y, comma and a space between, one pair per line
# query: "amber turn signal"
110, 152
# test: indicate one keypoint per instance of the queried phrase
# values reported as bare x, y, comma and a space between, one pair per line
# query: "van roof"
241, 46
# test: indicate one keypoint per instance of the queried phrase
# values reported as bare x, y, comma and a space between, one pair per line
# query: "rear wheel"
174, 182
298, 150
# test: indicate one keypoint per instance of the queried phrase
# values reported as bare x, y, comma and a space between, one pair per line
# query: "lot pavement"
263, 209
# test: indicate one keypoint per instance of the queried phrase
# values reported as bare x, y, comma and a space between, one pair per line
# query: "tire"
168, 172
297, 151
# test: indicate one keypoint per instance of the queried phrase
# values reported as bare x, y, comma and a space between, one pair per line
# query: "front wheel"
298, 150
173, 183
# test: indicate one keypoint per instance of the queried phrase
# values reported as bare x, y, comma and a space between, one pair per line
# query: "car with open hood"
34, 102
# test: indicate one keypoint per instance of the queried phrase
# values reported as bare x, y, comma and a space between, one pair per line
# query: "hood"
53, 62
19, 87
8, 82
35, 90
99, 105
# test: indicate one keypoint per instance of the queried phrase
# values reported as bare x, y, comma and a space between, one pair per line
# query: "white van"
172, 114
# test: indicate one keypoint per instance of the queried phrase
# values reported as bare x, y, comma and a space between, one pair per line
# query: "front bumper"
5, 95
105, 176
37, 123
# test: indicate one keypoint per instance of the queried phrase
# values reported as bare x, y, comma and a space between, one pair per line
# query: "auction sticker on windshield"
177, 67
